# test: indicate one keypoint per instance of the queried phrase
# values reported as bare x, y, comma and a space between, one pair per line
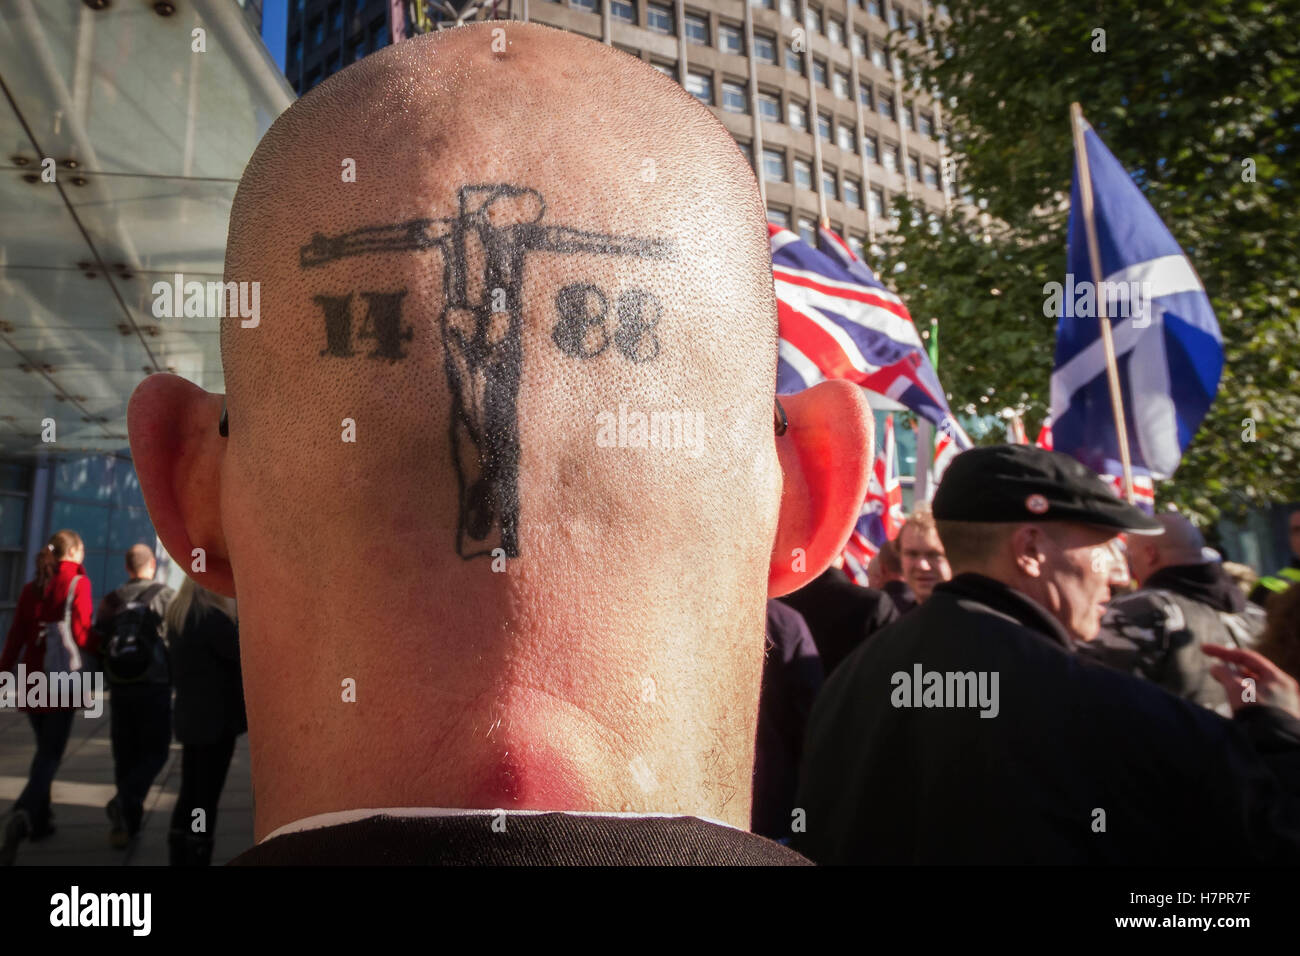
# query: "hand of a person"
1251, 678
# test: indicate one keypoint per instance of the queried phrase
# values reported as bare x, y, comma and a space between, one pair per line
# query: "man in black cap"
969, 731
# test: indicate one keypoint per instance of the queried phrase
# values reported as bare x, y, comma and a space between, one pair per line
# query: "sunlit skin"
924, 561
1066, 568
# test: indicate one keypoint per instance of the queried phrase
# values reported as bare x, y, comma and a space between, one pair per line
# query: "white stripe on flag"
1167, 275
834, 330
805, 367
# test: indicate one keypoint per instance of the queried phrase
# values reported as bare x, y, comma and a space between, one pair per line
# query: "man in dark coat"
1185, 600
840, 614
140, 719
792, 676
970, 732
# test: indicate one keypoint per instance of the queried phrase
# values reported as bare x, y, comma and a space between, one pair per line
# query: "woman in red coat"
42, 600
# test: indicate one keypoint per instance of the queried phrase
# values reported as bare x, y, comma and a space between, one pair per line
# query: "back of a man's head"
140, 561
1180, 543
501, 495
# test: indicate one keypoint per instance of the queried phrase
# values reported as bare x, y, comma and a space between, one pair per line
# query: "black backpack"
135, 640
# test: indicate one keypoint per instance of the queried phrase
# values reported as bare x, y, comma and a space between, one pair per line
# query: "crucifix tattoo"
481, 324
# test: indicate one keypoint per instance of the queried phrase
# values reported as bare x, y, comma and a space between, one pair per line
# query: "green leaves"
1184, 93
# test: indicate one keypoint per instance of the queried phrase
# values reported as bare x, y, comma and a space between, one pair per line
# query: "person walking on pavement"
971, 732
59, 593
209, 714
134, 651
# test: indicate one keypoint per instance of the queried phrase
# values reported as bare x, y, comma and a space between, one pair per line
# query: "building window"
845, 139
734, 99
891, 158
864, 94
824, 126
793, 61
813, 19
872, 146
731, 39
807, 231
779, 217
913, 167
859, 44
659, 18
925, 123
774, 165
855, 244
852, 193
797, 114
841, 85
828, 184
589, 5
379, 37
747, 151
932, 175
905, 118
895, 16
876, 202
765, 48
769, 107
885, 103
336, 15
622, 10
873, 8
879, 55
317, 31
803, 174
789, 9
819, 72
913, 28
700, 86
765, 4
835, 31
667, 69
697, 29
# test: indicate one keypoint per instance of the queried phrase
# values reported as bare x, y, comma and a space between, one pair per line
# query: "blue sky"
275, 20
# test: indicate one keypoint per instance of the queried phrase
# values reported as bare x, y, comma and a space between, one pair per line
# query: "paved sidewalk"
84, 784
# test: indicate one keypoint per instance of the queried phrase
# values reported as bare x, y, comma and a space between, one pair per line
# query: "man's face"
1295, 533
924, 561
1074, 576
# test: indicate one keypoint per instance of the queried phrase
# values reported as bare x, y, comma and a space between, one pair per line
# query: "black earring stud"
224, 426
782, 423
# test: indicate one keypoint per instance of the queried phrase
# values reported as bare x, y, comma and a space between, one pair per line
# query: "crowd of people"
472, 633
170, 662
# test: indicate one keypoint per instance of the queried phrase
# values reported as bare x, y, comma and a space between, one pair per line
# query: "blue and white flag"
1167, 341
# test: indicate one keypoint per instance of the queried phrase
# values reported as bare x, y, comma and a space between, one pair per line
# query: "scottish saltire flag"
837, 320
882, 511
1167, 340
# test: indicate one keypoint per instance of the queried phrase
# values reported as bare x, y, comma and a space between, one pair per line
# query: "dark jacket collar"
1008, 602
1207, 583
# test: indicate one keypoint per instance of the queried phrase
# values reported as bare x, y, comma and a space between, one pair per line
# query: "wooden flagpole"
1094, 258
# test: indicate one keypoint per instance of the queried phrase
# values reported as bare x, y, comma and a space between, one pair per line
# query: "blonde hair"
190, 595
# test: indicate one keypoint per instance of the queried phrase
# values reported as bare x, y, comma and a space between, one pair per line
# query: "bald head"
1179, 543
501, 448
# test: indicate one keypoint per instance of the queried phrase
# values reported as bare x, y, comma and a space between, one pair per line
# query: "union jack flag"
837, 320
882, 511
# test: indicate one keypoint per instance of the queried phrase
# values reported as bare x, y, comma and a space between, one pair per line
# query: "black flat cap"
1003, 483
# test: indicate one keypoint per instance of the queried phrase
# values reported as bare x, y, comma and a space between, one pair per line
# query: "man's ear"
178, 453
1027, 546
825, 457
